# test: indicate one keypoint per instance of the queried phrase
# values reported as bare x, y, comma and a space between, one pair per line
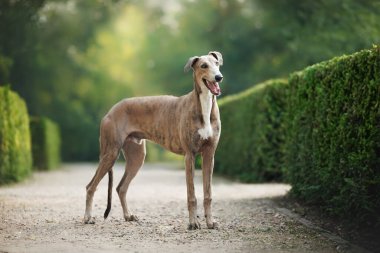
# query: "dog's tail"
109, 199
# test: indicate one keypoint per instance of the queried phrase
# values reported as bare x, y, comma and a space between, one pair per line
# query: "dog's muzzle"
218, 78
214, 85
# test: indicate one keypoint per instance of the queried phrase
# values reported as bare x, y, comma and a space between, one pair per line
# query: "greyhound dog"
186, 125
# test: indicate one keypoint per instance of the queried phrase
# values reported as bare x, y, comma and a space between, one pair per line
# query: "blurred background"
72, 60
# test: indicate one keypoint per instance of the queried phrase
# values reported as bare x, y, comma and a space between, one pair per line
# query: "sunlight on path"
45, 213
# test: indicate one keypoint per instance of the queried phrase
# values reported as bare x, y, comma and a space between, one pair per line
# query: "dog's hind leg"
109, 151
105, 164
134, 154
207, 170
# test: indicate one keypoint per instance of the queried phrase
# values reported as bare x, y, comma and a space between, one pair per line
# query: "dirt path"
44, 214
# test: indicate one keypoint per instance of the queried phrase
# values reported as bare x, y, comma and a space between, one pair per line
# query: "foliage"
289, 34
250, 147
333, 132
42, 62
156, 153
322, 129
46, 143
72, 60
15, 150
17, 33
259, 39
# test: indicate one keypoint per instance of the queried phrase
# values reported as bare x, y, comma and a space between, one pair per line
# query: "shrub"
156, 153
333, 135
250, 146
323, 129
46, 143
15, 150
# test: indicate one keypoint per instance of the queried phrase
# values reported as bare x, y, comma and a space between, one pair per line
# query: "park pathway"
44, 214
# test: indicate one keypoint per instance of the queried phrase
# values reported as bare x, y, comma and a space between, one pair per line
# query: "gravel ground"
44, 214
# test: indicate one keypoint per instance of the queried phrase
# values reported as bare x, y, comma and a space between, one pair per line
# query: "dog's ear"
190, 63
217, 56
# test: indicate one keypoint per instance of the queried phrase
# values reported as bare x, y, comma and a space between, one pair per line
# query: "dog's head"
206, 71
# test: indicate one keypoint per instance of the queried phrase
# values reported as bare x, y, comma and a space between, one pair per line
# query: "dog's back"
154, 118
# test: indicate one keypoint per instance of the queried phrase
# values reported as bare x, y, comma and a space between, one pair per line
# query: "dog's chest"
201, 126
199, 142
207, 128
206, 101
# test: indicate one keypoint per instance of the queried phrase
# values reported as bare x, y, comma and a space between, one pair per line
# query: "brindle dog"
186, 125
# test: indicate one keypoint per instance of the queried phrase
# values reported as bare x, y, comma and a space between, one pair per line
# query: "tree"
18, 23
72, 60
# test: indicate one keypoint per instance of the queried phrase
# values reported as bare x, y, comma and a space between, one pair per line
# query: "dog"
186, 125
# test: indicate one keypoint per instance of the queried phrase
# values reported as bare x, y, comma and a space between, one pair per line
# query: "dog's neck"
206, 100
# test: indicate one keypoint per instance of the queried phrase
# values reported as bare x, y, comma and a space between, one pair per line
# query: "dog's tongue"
215, 89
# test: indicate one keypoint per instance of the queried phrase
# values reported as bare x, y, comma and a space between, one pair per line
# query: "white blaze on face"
213, 71
206, 104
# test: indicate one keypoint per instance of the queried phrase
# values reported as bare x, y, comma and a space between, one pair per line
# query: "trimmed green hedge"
333, 134
46, 143
322, 130
156, 153
15, 150
252, 134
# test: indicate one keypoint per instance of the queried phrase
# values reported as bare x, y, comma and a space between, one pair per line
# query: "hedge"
156, 153
252, 133
333, 135
15, 148
321, 131
46, 143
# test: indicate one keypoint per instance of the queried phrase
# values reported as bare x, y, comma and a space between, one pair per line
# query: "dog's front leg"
207, 170
191, 199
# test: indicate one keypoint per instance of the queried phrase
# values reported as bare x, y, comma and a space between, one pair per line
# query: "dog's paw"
131, 217
213, 225
89, 220
193, 226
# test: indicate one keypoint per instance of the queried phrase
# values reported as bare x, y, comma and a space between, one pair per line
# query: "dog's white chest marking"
206, 104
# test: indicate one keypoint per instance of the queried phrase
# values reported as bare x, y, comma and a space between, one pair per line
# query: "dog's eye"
217, 63
204, 66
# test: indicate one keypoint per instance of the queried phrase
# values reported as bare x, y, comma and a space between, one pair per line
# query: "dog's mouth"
213, 87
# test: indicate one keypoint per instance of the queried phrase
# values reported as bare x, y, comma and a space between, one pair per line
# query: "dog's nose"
218, 78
